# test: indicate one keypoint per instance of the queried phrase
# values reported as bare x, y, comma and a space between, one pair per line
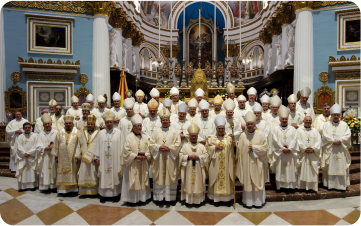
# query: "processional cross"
199, 42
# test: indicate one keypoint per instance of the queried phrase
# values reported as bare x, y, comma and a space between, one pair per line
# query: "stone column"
117, 18
2, 67
101, 72
276, 30
128, 31
137, 40
266, 38
284, 51
303, 59
285, 15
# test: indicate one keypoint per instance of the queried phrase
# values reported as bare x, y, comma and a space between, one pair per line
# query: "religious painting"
49, 34
324, 98
248, 10
348, 29
150, 12
206, 46
15, 99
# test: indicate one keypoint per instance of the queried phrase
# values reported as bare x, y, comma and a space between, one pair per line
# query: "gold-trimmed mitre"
91, 119
153, 104
164, 113
68, 118
218, 100
108, 116
230, 88
193, 129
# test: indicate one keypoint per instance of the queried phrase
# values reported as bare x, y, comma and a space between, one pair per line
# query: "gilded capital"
117, 17
274, 26
285, 13
129, 29
233, 50
303, 5
175, 51
101, 8
265, 36
137, 38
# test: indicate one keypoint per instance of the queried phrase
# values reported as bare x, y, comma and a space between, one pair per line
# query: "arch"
250, 45
153, 50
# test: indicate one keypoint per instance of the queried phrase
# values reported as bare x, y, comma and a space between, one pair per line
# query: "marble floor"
34, 208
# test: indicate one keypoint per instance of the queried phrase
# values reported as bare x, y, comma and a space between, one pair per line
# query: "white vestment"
74, 112
265, 113
239, 114
109, 149
249, 105
336, 159
46, 162
80, 124
237, 130
213, 113
57, 122
309, 162
207, 128
295, 118
39, 127
284, 165
182, 127
273, 122
141, 108
11, 136
150, 124
174, 107
125, 126
26, 167
119, 114
193, 118
320, 121
305, 109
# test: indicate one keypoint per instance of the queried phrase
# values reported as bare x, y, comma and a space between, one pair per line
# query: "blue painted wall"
325, 45
15, 31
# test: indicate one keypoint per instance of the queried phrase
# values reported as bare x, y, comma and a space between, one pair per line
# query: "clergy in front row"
221, 154
26, 159
309, 142
88, 171
283, 152
108, 154
164, 149
65, 148
252, 163
193, 163
46, 162
135, 160
336, 159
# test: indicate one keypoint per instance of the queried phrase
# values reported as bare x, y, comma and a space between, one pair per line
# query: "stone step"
355, 159
4, 152
4, 165
6, 173
355, 178
354, 153
4, 158
355, 168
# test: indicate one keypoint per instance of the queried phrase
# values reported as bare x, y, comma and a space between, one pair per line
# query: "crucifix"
274, 121
308, 139
337, 158
109, 141
25, 141
153, 125
108, 170
285, 138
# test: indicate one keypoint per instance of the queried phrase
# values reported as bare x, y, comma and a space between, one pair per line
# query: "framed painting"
348, 29
15, 99
49, 34
322, 96
206, 47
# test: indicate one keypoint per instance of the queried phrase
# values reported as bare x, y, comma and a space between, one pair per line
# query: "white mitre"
193, 129
193, 103
203, 105
101, 99
275, 101
183, 108
257, 107
250, 117
220, 120
136, 119
230, 87
241, 97
283, 112
167, 102
229, 105
116, 96
139, 93
128, 103
199, 92
46, 118
90, 97
173, 90
74, 99
265, 99
336, 109
53, 103
292, 98
252, 91
305, 92
154, 93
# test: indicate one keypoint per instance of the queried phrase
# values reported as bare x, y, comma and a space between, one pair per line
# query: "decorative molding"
344, 16
265, 36
329, 3
47, 77
118, 17
233, 50
347, 75
175, 51
103, 8
128, 28
345, 68
343, 85
274, 25
137, 38
285, 14
303, 5
321, 92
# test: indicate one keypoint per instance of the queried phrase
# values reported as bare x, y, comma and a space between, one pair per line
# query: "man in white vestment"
199, 93
13, 129
58, 118
322, 118
167, 103
108, 154
303, 106
125, 124
46, 162
260, 124
117, 109
193, 163
220, 148
65, 148
83, 122
90, 100
230, 119
252, 163
309, 142
52, 104
88, 171
336, 159
139, 105
26, 159
240, 111
205, 123
181, 123
272, 119
174, 94
152, 122
192, 115
283, 152
231, 89
39, 124
135, 160
75, 110
252, 93
217, 101
295, 118
265, 105
98, 112
154, 93
164, 148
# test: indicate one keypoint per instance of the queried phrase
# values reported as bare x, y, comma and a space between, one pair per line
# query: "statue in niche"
124, 53
269, 61
279, 54
291, 45
133, 63
112, 49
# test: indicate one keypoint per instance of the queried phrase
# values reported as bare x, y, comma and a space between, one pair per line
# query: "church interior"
59, 49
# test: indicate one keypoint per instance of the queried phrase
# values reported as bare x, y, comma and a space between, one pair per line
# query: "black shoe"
82, 197
216, 204
21, 190
116, 198
54, 190
230, 203
46, 192
102, 199
33, 189
172, 203
94, 196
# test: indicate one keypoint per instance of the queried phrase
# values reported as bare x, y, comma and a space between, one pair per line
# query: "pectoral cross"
49, 168
335, 131
109, 141
292, 119
286, 164
108, 155
337, 158
205, 128
25, 141
153, 125
285, 138
108, 170
274, 121
19, 125
308, 139
73, 133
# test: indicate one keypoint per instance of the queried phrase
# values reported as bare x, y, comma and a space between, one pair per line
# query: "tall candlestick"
215, 31
184, 32
159, 30
171, 30
240, 35
227, 29
199, 27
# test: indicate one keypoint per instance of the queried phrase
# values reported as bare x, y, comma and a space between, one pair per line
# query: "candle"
199, 27
159, 30
240, 35
184, 32
171, 30
215, 31
227, 29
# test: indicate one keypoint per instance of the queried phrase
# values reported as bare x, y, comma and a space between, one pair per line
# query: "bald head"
307, 121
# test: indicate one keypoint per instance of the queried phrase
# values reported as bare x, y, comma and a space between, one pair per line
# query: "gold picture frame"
348, 25
50, 34
15, 100
324, 94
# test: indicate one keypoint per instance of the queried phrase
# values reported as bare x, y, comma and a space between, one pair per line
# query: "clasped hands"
309, 150
193, 157
336, 142
140, 157
164, 148
286, 151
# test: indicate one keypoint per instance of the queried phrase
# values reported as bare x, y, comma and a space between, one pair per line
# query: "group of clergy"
115, 153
